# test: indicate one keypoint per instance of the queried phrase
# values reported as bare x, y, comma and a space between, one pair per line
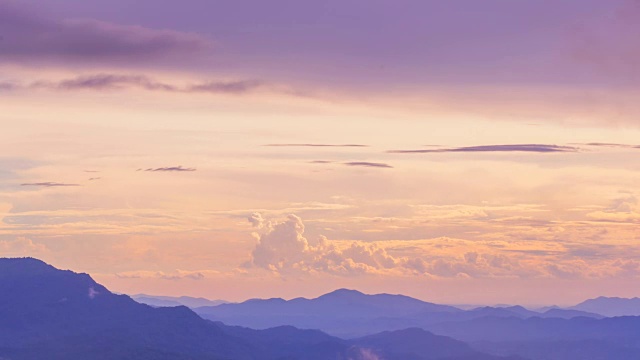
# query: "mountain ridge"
52, 314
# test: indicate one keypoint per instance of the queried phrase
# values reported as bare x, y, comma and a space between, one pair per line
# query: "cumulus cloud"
282, 247
20, 247
625, 209
533, 148
256, 220
29, 36
472, 264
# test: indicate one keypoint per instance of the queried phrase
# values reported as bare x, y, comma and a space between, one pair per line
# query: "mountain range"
171, 301
46, 313
349, 313
610, 306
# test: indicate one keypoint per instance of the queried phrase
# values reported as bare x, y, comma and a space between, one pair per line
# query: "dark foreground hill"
46, 313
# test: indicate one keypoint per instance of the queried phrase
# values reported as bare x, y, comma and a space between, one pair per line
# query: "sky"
466, 151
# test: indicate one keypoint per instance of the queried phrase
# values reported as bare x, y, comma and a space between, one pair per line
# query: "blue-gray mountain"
611, 306
170, 301
349, 313
46, 313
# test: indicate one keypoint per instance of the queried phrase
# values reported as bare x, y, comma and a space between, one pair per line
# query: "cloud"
610, 145
170, 169
471, 264
368, 164
608, 43
283, 248
29, 36
7, 86
316, 145
535, 148
625, 209
111, 82
227, 87
176, 275
256, 220
105, 82
321, 162
49, 184
92, 293
21, 246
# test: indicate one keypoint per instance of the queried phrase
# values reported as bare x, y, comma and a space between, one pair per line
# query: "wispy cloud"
534, 148
321, 162
316, 145
7, 86
610, 145
368, 164
105, 82
110, 82
29, 36
48, 184
170, 168
175, 275
227, 87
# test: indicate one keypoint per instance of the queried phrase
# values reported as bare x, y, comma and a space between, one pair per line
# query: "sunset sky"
460, 151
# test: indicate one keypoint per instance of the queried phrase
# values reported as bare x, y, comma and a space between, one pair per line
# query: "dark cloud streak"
49, 184
534, 148
171, 168
368, 164
32, 37
610, 145
315, 145
110, 82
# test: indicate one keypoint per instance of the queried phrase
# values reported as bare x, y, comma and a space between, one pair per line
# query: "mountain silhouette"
538, 338
46, 313
171, 301
610, 306
350, 313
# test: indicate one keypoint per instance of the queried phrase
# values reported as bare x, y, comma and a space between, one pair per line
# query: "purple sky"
380, 43
425, 147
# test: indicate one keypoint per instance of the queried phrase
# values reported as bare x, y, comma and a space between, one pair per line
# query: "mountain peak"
344, 292
27, 266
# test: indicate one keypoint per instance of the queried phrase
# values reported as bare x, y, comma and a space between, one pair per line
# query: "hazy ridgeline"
46, 313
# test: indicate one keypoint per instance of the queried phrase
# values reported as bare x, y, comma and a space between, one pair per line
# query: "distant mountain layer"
169, 301
611, 306
581, 338
46, 313
349, 313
